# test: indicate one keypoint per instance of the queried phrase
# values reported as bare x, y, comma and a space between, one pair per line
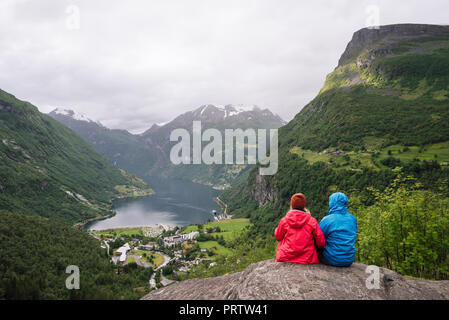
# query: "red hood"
297, 219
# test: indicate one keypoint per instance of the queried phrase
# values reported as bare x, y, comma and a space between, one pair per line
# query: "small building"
149, 246
123, 250
174, 240
165, 282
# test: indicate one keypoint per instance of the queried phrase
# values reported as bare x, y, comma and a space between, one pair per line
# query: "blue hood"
340, 230
338, 203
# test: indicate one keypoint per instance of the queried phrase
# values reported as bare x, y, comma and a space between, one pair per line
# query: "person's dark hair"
298, 201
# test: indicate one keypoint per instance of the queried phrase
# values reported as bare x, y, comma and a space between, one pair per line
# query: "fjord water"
175, 202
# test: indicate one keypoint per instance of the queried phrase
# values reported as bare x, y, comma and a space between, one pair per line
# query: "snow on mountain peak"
230, 110
74, 115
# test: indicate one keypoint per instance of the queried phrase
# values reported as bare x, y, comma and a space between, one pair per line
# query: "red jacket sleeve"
281, 230
318, 235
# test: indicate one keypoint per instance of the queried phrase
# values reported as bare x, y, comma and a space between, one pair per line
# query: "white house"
191, 235
171, 241
123, 250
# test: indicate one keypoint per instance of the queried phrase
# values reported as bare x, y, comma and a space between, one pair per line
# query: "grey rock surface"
388, 34
270, 280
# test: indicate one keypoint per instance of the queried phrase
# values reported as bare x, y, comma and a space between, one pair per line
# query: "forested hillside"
47, 170
386, 105
35, 253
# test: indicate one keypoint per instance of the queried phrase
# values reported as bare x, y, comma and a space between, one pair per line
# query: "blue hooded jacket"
340, 230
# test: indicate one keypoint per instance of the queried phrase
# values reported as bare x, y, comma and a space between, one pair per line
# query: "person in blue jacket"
340, 230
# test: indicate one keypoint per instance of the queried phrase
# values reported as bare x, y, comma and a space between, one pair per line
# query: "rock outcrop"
270, 280
365, 37
263, 192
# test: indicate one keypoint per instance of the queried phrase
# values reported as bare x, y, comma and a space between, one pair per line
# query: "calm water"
175, 202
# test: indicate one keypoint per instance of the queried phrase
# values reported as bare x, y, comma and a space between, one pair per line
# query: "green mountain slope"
47, 170
123, 149
385, 105
391, 84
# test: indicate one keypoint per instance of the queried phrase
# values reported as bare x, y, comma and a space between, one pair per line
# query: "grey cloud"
132, 64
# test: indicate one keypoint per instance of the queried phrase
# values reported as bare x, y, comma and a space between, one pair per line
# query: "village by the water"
170, 250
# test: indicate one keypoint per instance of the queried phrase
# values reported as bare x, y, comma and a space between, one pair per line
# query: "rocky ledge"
270, 280
389, 34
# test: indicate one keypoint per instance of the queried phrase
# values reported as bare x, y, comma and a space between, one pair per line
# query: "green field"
230, 225
350, 160
118, 232
437, 151
158, 258
214, 244
127, 191
229, 230
356, 160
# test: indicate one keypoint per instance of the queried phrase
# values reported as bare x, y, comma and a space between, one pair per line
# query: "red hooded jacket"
298, 232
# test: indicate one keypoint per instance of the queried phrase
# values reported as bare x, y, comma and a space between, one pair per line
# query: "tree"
167, 270
406, 230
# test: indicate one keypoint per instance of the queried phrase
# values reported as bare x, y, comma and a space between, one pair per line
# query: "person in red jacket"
298, 234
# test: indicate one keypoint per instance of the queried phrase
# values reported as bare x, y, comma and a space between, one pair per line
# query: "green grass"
227, 235
355, 160
441, 150
310, 156
230, 225
119, 232
229, 230
220, 250
132, 191
158, 260
350, 160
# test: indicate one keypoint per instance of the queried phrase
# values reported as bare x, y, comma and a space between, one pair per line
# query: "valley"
172, 252
74, 192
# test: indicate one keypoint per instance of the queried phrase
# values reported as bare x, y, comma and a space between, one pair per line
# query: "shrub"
406, 230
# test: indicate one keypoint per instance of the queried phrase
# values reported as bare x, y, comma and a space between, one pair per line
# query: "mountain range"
148, 154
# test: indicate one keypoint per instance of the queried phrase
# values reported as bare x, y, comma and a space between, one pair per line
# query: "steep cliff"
389, 34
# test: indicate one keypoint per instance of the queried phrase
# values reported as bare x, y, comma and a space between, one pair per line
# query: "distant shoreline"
134, 227
81, 224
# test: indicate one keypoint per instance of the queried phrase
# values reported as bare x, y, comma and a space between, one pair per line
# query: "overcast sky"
133, 63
